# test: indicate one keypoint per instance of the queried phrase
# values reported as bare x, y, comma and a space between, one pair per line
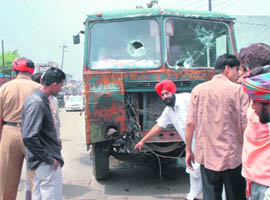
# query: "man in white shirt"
175, 113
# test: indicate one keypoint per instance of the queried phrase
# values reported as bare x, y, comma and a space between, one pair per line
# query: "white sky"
38, 28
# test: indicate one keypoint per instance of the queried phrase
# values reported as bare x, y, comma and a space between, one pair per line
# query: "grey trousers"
257, 191
48, 183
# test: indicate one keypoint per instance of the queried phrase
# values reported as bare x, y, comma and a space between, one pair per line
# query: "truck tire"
100, 153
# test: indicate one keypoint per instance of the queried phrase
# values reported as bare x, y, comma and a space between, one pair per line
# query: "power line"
200, 6
36, 34
21, 17
178, 3
234, 2
16, 12
252, 24
222, 3
33, 13
191, 4
9, 31
39, 19
258, 35
9, 34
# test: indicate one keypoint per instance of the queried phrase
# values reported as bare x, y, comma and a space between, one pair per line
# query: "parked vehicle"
125, 54
60, 98
74, 103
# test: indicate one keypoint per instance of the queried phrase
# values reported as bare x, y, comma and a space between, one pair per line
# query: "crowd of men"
226, 127
225, 123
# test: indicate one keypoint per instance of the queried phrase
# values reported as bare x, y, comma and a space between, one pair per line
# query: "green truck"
126, 52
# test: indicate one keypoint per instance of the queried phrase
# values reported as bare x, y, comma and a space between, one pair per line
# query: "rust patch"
105, 93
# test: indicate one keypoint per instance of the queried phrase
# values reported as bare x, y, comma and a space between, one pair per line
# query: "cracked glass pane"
136, 49
125, 45
195, 43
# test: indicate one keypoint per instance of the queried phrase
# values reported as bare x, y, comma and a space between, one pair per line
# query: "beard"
170, 101
264, 115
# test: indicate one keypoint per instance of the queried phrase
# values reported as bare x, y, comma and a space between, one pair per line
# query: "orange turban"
165, 85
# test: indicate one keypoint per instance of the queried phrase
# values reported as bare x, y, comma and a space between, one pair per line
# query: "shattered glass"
136, 48
204, 36
195, 43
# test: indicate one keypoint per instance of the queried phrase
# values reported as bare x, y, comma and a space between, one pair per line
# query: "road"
126, 182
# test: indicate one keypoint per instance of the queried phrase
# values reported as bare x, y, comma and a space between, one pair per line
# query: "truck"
126, 53
3, 80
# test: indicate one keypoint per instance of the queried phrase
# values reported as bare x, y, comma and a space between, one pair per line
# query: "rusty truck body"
126, 52
3, 80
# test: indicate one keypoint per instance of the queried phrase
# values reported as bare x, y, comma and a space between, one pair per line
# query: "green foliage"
9, 56
152, 3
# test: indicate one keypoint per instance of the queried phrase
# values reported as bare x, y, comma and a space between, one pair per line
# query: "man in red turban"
175, 113
12, 96
165, 85
169, 90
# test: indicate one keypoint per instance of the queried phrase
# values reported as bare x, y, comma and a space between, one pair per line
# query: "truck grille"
151, 85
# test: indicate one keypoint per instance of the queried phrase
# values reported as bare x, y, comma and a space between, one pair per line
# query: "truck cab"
126, 52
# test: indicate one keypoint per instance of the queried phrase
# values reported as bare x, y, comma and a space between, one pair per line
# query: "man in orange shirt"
217, 113
256, 154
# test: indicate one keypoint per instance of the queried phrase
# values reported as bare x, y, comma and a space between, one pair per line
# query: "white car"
74, 103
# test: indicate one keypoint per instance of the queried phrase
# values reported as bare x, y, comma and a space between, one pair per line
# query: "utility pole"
3, 56
210, 5
63, 52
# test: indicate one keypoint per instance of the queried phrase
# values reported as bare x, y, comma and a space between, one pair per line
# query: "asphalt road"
126, 182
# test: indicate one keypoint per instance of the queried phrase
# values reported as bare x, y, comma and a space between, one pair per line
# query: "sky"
39, 29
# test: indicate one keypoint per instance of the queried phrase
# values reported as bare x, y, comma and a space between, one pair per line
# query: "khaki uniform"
12, 96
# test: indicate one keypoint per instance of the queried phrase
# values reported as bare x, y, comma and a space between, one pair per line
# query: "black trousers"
212, 182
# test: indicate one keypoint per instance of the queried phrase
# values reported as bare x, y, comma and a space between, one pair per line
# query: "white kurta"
177, 116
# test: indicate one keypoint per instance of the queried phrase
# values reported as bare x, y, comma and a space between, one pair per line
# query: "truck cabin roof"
153, 12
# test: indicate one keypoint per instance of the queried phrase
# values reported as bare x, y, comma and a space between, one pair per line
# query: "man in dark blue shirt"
39, 136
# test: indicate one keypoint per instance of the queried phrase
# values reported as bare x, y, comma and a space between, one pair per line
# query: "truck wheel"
100, 153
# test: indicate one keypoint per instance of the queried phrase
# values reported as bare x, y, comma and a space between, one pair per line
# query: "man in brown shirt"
12, 96
217, 113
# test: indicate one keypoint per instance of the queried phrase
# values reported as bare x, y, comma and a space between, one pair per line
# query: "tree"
150, 4
9, 56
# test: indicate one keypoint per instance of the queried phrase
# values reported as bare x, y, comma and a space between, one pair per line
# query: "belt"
11, 123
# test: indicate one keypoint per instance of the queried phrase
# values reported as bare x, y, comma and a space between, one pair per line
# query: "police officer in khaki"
12, 96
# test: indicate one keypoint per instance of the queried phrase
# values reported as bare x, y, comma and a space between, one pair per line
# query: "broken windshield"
125, 45
195, 43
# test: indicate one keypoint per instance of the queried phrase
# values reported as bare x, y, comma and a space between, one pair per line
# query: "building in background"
42, 67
